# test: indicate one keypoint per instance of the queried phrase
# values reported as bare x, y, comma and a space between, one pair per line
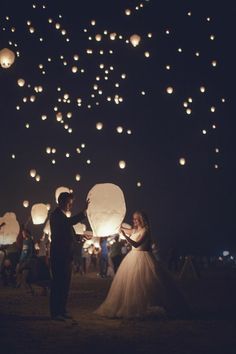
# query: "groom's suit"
61, 253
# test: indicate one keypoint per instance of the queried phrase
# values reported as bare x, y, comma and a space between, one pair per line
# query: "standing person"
115, 253
141, 281
103, 260
61, 254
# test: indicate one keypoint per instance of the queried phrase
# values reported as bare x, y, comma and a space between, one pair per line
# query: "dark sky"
191, 206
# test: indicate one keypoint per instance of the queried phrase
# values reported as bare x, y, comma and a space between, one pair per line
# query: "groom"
61, 252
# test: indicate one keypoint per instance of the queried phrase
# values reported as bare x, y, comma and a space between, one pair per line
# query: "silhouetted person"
115, 254
61, 254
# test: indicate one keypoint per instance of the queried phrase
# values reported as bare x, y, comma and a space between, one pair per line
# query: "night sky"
191, 206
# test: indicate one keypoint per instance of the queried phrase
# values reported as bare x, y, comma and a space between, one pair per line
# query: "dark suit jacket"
62, 234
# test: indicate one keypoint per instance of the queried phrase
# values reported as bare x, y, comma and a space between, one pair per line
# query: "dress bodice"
138, 235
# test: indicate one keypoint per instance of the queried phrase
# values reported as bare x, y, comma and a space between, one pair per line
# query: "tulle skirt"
141, 283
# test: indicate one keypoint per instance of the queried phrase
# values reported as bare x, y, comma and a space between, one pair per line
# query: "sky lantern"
7, 58
37, 178
60, 190
99, 126
122, 164
170, 90
182, 161
39, 213
10, 230
25, 203
98, 37
77, 177
74, 69
33, 173
119, 129
135, 40
106, 209
128, 12
113, 36
79, 228
21, 82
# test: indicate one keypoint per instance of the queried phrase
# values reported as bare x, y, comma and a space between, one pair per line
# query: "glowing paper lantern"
25, 203
99, 126
21, 82
7, 58
10, 230
98, 37
79, 228
33, 173
60, 190
169, 90
135, 40
106, 209
77, 177
122, 164
182, 161
39, 213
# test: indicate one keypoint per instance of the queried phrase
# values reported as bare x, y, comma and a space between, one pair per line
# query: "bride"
141, 282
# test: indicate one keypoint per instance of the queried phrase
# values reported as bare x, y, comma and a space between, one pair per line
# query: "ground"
25, 326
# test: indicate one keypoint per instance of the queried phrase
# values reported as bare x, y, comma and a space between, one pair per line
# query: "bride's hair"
143, 219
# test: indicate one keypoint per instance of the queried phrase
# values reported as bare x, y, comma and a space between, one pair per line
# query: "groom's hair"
64, 198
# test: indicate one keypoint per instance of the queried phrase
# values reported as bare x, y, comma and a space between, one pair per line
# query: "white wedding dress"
140, 284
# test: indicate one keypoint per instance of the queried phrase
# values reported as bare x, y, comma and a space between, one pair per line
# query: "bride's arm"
137, 243
127, 231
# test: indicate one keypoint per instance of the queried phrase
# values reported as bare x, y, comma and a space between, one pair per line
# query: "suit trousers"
60, 285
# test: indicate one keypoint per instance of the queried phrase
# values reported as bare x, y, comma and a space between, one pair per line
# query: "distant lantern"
119, 130
48, 150
78, 177
33, 173
139, 184
122, 164
182, 161
214, 63
135, 40
113, 36
147, 54
59, 116
74, 69
21, 82
99, 126
76, 57
106, 209
10, 230
79, 228
39, 213
25, 203
202, 89
128, 12
38, 178
60, 190
188, 111
98, 37
7, 58
170, 90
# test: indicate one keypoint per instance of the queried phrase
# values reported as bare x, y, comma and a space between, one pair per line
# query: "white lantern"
98, 37
9, 232
39, 213
170, 90
33, 173
60, 190
122, 164
99, 126
79, 228
135, 40
21, 82
106, 209
7, 58
182, 161
25, 203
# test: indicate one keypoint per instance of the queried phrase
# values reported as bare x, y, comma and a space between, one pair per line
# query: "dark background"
190, 207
